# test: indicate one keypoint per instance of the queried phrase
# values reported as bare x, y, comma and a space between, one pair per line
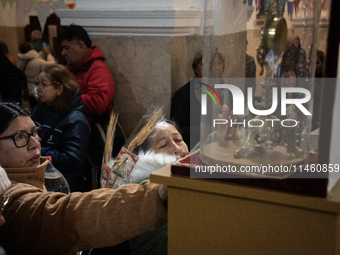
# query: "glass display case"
257, 87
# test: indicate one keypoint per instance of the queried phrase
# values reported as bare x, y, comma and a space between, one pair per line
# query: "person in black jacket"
12, 81
66, 130
180, 107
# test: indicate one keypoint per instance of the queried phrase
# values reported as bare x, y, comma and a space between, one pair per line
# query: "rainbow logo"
213, 90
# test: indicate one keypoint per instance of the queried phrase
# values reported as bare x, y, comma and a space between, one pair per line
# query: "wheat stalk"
113, 181
109, 135
146, 130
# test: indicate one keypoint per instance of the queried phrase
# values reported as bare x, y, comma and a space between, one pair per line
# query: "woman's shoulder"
75, 117
182, 93
37, 110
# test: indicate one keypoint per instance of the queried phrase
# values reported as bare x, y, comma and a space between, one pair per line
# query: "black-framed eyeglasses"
22, 138
3, 203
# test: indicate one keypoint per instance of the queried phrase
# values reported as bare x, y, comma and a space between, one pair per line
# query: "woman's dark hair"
59, 75
146, 145
25, 47
74, 32
9, 112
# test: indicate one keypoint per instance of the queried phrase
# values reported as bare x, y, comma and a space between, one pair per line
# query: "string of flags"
292, 5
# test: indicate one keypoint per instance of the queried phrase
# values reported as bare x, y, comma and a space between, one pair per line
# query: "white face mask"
35, 93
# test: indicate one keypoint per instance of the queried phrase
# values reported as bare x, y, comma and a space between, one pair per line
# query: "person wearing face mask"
41, 222
31, 64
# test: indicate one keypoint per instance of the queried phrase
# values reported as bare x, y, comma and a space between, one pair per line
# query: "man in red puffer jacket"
86, 62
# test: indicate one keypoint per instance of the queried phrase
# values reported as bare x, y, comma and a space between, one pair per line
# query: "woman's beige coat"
41, 222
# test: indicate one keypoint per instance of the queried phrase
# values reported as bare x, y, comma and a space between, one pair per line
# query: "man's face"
72, 52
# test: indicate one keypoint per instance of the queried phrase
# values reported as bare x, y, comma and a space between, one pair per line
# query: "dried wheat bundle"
110, 134
113, 181
147, 128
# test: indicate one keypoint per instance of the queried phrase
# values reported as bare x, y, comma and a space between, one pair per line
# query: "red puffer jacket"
95, 82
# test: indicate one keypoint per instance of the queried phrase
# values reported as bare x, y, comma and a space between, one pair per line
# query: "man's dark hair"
75, 32
25, 47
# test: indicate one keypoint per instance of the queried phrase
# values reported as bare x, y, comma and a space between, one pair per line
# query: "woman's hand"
46, 50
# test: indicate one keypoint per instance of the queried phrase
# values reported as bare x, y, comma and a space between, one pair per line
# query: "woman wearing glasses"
41, 222
66, 130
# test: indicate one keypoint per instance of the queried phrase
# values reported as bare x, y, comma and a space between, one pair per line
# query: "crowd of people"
68, 105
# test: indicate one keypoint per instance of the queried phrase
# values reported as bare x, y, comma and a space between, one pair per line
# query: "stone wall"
142, 73
13, 36
148, 70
